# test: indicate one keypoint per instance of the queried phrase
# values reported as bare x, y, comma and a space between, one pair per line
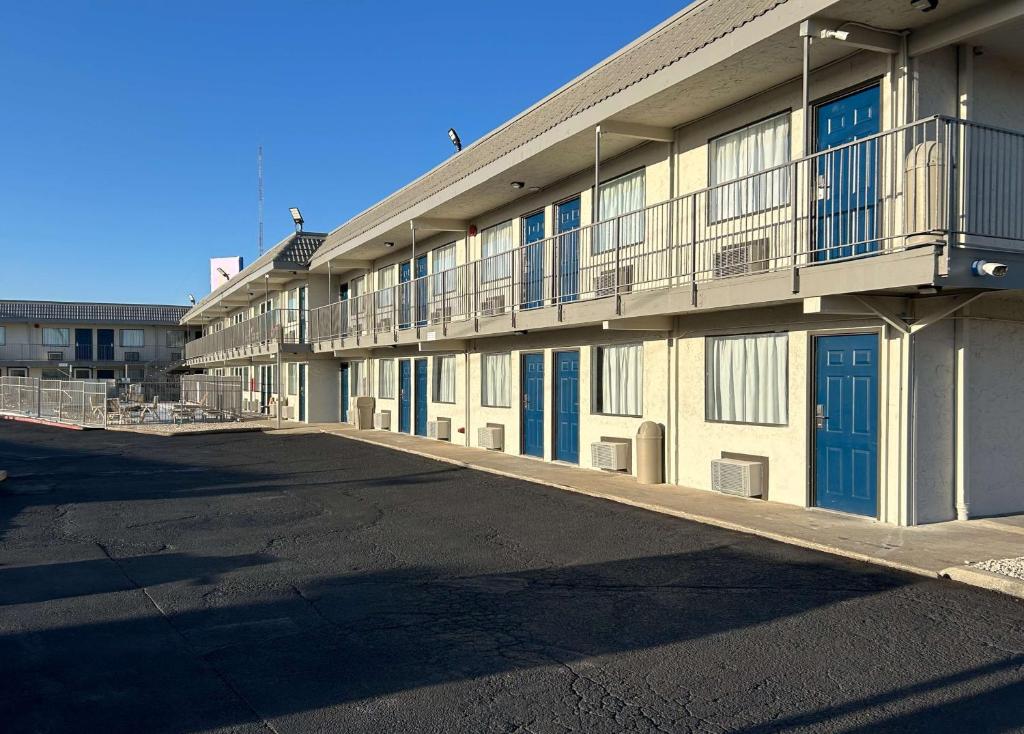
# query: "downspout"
465, 380
962, 491
595, 206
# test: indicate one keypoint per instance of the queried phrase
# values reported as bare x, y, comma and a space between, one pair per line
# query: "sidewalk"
938, 550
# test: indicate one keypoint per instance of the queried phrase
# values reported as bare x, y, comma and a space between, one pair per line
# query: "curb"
661, 509
985, 580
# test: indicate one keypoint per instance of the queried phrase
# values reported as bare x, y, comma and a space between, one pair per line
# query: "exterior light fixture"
454, 137
535, 189
297, 218
389, 245
192, 299
518, 184
925, 6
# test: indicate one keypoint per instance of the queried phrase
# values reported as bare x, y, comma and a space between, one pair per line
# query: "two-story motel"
56, 340
787, 231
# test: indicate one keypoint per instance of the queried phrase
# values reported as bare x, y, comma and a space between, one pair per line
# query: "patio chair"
150, 409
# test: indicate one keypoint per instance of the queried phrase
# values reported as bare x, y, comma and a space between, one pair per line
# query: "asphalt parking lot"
307, 583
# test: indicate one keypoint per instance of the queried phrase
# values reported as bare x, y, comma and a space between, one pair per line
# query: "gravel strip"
1012, 567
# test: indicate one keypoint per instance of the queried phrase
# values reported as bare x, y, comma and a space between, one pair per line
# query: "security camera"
984, 267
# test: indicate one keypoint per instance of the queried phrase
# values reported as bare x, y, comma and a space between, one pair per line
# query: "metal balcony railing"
25, 352
935, 180
280, 325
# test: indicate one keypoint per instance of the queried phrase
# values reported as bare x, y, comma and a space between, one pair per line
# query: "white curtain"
132, 337
386, 387
357, 375
622, 379
755, 148
56, 337
618, 198
494, 380
385, 286
494, 241
444, 269
293, 379
746, 379
444, 379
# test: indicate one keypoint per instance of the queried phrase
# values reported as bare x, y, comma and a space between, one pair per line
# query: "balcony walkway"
936, 550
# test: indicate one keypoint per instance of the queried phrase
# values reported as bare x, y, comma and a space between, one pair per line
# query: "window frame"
493, 262
66, 340
714, 202
120, 338
392, 390
597, 383
436, 381
483, 378
708, 339
596, 248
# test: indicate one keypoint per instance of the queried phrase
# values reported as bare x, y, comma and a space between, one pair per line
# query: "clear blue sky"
129, 130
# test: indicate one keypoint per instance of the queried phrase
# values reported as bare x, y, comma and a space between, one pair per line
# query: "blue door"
567, 406
568, 224
421, 397
404, 395
83, 344
404, 296
302, 392
105, 345
533, 405
421, 290
343, 392
846, 423
847, 186
533, 261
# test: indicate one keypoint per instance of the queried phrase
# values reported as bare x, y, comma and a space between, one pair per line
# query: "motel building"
790, 233
55, 340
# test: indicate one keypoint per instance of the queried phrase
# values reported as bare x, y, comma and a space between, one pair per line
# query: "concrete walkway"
940, 549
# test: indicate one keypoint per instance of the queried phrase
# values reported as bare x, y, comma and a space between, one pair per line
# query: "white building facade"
787, 232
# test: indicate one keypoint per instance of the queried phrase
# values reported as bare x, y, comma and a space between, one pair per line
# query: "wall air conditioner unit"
382, 420
742, 258
441, 429
441, 314
737, 477
611, 455
131, 356
384, 323
493, 305
55, 356
491, 437
604, 282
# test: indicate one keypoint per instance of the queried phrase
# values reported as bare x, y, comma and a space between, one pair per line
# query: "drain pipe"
465, 380
962, 492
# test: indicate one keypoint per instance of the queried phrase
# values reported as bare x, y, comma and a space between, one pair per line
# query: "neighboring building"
778, 265
58, 340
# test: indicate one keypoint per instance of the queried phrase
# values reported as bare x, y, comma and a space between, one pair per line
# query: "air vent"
604, 283
736, 477
611, 455
441, 429
55, 356
491, 437
743, 258
493, 305
382, 420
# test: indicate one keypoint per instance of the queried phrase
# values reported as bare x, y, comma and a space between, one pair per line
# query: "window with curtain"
385, 285
744, 153
293, 378
746, 379
175, 338
495, 248
444, 379
56, 337
386, 379
494, 380
444, 269
357, 374
618, 198
620, 380
133, 337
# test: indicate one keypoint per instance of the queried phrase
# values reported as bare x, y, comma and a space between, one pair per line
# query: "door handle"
819, 416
